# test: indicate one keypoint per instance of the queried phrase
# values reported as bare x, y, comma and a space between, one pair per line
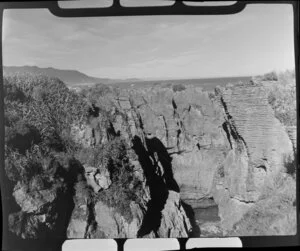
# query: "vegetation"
178, 87
125, 186
274, 213
290, 165
101, 96
221, 171
39, 111
39, 114
282, 98
45, 105
270, 76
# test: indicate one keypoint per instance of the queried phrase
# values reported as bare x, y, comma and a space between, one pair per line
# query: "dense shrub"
14, 111
22, 136
12, 92
282, 98
270, 76
178, 87
125, 186
290, 165
221, 171
39, 113
50, 107
22, 167
211, 95
101, 96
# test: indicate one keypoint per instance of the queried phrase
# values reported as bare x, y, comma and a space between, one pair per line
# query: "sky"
255, 41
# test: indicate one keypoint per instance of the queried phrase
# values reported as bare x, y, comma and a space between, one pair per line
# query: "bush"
22, 136
221, 172
15, 164
101, 96
178, 87
271, 76
125, 186
211, 95
290, 165
13, 92
50, 107
22, 167
282, 98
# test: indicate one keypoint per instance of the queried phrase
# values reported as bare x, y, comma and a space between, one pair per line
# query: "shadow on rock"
156, 147
191, 215
50, 233
158, 190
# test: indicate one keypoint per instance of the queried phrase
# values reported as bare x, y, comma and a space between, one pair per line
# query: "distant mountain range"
70, 77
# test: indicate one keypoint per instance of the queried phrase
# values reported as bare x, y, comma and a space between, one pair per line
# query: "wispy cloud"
258, 39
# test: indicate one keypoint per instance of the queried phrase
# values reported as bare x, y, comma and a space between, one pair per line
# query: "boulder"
103, 179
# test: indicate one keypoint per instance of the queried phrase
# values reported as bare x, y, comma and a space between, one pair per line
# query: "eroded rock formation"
186, 147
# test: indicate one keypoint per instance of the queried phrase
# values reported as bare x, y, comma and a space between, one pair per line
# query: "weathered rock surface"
174, 223
97, 179
45, 203
274, 214
226, 145
33, 201
92, 219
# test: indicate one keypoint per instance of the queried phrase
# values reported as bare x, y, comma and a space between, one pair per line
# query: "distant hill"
70, 77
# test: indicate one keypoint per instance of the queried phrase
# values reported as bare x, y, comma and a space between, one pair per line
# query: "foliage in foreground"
39, 113
282, 98
126, 187
44, 105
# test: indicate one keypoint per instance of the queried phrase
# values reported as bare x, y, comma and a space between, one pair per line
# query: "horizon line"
149, 78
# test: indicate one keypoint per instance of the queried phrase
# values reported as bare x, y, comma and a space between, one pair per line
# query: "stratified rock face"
189, 124
96, 219
264, 136
111, 224
93, 218
274, 214
44, 209
174, 223
225, 145
259, 144
292, 132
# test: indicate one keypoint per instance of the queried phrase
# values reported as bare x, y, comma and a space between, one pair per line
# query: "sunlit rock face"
190, 149
226, 144
94, 217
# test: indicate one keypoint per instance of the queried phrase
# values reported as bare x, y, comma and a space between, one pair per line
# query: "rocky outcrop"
274, 214
189, 124
225, 144
97, 179
292, 132
94, 216
259, 146
174, 223
43, 210
98, 220
186, 146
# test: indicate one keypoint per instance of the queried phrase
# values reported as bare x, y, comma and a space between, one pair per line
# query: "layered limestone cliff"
187, 148
226, 144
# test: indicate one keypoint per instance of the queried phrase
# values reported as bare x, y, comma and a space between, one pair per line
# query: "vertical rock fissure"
166, 128
232, 130
179, 123
158, 190
90, 218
